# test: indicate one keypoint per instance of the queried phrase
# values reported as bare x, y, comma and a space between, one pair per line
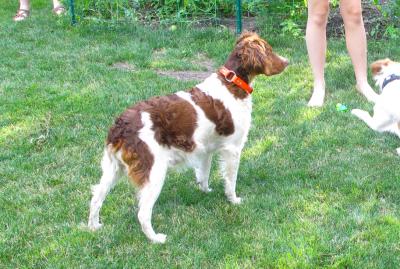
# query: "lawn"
320, 189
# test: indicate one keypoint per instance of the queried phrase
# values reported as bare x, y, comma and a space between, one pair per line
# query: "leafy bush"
391, 13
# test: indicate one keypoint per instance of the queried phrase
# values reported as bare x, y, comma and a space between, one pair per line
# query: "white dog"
387, 106
186, 127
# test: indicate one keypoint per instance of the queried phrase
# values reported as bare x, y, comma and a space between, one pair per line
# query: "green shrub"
391, 12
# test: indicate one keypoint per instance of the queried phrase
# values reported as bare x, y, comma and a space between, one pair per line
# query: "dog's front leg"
230, 160
379, 122
202, 171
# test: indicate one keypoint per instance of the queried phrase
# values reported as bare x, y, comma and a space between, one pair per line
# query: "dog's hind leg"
230, 159
202, 171
398, 134
148, 196
110, 167
396, 129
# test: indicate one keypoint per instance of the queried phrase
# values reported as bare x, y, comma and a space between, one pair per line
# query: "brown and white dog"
386, 116
186, 127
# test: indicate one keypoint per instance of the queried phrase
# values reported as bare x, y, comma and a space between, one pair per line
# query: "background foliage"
287, 17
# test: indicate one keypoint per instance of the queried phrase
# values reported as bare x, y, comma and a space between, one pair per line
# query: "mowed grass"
320, 189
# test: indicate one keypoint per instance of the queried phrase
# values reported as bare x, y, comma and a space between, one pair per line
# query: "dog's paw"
159, 239
358, 112
235, 200
94, 226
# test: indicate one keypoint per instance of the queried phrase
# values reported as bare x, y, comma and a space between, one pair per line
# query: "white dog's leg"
203, 172
148, 196
398, 151
230, 160
379, 122
110, 176
394, 129
369, 93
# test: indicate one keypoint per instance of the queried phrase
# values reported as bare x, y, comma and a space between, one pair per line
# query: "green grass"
320, 189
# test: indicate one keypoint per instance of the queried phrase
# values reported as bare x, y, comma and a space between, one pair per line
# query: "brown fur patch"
123, 135
376, 66
215, 111
174, 122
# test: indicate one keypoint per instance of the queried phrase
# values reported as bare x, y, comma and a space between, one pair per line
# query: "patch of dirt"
205, 63
123, 66
201, 60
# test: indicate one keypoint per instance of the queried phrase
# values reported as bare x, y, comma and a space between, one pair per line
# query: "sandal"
59, 10
21, 15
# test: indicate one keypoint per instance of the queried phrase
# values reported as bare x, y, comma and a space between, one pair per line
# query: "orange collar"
231, 76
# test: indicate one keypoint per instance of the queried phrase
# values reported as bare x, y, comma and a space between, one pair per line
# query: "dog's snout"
284, 60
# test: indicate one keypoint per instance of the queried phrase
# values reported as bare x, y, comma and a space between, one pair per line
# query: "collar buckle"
230, 76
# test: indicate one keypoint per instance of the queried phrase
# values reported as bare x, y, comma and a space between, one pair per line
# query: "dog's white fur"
386, 116
207, 142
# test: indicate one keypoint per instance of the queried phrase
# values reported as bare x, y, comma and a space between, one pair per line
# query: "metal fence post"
72, 11
238, 17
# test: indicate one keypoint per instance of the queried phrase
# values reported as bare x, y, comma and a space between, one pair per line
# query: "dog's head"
383, 68
254, 56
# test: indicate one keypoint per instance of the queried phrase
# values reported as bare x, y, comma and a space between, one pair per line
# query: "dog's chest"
241, 115
390, 99
239, 109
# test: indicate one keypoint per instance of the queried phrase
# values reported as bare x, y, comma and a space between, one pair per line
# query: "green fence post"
72, 10
238, 17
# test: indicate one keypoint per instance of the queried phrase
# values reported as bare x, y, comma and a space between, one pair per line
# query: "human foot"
318, 96
59, 10
21, 15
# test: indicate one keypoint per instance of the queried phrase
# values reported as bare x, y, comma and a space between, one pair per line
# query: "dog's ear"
252, 56
251, 50
376, 67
